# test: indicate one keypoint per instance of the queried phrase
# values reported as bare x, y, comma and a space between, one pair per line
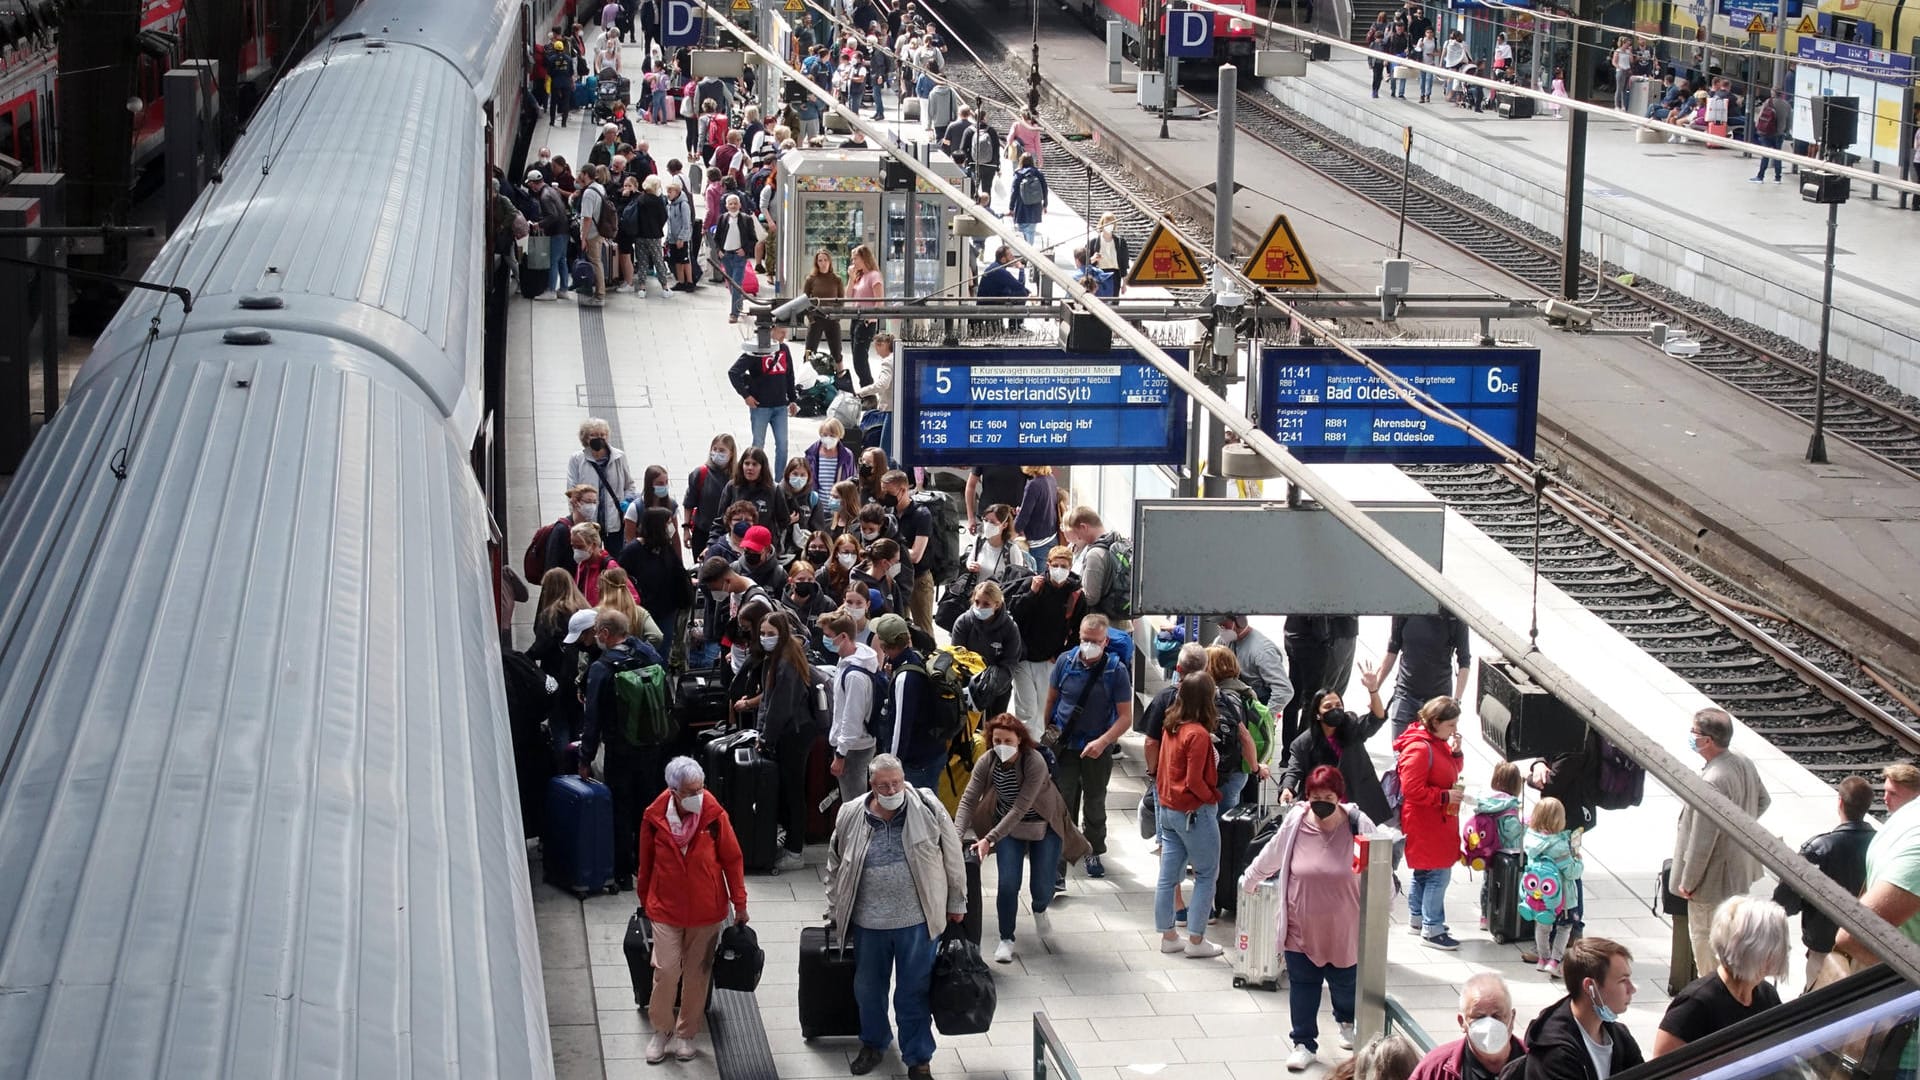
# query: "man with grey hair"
1708, 866
1487, 1043
895, 879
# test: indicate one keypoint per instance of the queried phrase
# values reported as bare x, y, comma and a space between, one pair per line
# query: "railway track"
1785, 682
1875, 426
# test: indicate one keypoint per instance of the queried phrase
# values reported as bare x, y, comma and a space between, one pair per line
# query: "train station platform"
655, 369
1679, 214
1723, 475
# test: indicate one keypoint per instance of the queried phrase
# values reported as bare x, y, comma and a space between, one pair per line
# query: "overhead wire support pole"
1875, 933
1579, 88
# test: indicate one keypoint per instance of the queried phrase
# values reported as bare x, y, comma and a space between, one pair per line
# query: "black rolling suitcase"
638, 946
1503, 897
827, 1005
750, 790
973, 922
700, 697
1242, 830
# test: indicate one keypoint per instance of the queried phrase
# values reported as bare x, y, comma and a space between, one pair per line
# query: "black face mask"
817, 556
597, 444
803, 590
1322, 809
866, 472
755, 558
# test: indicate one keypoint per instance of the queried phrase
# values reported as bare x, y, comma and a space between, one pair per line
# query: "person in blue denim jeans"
765, 383
1187, 787
894, 881
1012, 806
1428, 759
735, 235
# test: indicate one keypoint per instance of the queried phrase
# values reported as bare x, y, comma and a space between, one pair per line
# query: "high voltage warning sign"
1166, 261
1279, 261
743, 5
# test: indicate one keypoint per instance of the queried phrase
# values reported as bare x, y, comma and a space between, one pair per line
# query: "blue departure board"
1039, 406
1325, 407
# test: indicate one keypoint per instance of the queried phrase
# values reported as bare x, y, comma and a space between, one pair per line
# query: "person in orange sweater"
1188, 786
690, 870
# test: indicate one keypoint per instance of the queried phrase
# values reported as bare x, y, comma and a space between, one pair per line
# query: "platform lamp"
1836, 123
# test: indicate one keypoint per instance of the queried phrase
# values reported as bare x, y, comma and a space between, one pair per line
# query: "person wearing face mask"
1317, 922
739, 517
727, 593
659, 571
1013, 812
590, 560
1580, 1037
759, 563
881, 572
1486, 1019
1089, 706
1428, 759
829, 459
583, 505
706, 491
1261, 665
807, 600
1338, 738
989, 486
872, 523
873, 466
1110, 251
837, 569
806, 508
895, 880
987, 629
845, 518
997, 556
915, 523
1047, 613
690, 871
603, 466
1708, 866
629, 767
754, 482
784, 716
859, 690
656, 490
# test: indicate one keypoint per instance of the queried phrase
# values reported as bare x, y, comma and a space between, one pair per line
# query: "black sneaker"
1094, 867
919, 1072
1443, 942
867, 1060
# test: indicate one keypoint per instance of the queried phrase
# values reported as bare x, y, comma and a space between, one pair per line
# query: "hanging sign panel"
1324, 406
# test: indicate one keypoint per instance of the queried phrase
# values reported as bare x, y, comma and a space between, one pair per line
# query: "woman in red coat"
690, 870
1428, 760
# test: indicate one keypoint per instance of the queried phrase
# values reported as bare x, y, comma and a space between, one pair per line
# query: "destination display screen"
1325, 407
1039, 406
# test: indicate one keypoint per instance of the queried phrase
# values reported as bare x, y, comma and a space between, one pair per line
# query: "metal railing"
1402, 1021
1047, 1047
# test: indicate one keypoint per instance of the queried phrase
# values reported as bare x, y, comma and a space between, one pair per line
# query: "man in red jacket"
690, 870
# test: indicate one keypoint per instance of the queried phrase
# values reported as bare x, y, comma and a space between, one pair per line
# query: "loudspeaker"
1836, 123
1513, 107
895, 175
1086, 334
1319, 50
1520, 719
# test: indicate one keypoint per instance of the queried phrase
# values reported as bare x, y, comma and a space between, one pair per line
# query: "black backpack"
942, 558
1619, 782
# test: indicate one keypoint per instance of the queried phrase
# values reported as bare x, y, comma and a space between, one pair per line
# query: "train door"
20, 131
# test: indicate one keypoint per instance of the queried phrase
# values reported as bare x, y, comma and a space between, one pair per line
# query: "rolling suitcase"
638, 946
973, 922
823, 792
1256, 955
1242, 830
751, 794
827, 1006
577, 846
701, 699
1503, 897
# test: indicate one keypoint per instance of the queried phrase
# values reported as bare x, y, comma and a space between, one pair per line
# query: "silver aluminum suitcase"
1257, 963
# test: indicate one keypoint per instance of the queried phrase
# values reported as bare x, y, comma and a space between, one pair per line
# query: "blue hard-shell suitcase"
577, 847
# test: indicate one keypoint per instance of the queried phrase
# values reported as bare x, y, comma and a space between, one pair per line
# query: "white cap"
581, 622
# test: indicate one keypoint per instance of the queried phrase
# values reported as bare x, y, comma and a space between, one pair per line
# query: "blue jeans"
1426, 84
1183, 842
559, 272
1303, 995
1011, 856
1770, 142
735, 264
774, 416
905, 957
926, 776
879, 98
1028, 230
1427, 900
1232, 786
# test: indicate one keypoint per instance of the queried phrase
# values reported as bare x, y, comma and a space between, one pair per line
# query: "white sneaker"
1003, 953
1172, 944
1203, 950
683, 1049
1300, 1059
657, 1048
1346, 1036
789, 860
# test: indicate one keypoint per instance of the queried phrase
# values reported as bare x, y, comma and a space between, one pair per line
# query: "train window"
6, 137
27, 138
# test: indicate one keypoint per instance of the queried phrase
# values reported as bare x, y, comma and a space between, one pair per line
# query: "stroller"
611, 91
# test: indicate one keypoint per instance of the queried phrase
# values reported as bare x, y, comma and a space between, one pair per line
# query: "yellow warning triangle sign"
796, 5
1758, 25
1806, 26
1279, 260
1166, 261
743, 5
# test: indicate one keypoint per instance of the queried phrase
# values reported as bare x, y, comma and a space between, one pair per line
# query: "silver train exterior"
257, 804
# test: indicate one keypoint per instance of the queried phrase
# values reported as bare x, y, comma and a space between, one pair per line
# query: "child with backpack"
1495, 827
1551, 877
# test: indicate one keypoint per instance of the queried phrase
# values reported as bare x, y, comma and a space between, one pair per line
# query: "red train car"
1233, 39
29, 60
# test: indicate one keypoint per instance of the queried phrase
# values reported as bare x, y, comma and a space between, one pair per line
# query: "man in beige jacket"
1708, 866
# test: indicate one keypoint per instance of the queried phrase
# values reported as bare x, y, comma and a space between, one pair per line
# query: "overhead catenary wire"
1852, 172
1846, 910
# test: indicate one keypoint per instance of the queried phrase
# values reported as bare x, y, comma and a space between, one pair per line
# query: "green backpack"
642, 694
1259, 725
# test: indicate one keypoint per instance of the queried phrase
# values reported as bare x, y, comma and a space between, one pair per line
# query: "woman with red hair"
1311, 860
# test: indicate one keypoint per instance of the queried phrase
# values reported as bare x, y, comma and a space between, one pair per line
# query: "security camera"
1561, 313
793, 311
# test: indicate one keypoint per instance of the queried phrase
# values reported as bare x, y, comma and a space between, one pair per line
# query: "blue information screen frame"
1038, 406
1325, 407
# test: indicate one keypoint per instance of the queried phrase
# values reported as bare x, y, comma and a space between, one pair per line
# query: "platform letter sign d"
1190, 34
680, 25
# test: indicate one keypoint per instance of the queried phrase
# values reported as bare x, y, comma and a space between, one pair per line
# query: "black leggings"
863, 331
791, 752
830, 328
